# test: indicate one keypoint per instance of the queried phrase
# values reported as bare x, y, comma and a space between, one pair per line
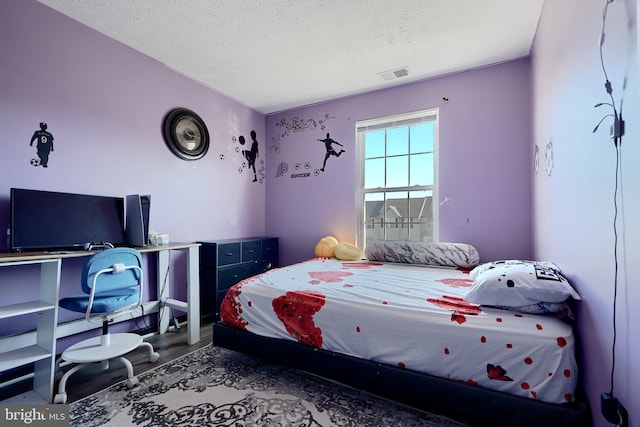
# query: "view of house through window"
398, 178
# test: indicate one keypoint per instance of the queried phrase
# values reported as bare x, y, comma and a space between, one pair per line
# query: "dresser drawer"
270, 251
229, 276
251, 250
228, 253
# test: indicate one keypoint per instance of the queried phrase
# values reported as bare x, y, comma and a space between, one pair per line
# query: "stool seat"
90, 350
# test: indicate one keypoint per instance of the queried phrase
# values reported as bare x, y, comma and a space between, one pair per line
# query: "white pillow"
515, 283
490, 265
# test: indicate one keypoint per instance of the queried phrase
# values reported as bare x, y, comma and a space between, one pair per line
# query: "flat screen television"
47, 220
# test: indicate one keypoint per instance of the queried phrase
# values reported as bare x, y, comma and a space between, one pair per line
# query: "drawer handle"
251, 251
229, 254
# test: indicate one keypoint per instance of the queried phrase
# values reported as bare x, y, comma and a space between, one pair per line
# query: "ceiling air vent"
395, 74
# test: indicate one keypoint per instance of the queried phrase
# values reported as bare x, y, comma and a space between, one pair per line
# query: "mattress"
410, 316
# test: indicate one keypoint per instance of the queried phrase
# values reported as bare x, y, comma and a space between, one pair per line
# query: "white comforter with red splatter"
409, 316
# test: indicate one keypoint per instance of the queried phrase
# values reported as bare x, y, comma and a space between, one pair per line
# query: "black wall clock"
185, 134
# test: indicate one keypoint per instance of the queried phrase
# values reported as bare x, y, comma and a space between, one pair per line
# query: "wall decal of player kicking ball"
252, 155
44, 145
328, 142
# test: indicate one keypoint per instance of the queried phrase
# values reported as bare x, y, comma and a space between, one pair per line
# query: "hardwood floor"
91, 379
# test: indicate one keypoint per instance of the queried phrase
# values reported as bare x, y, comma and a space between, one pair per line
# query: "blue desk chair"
112, 282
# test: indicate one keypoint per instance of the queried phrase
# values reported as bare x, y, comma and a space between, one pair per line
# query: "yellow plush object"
324, 248
347, 252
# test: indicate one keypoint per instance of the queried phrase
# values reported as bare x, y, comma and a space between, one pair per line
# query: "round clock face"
186, 134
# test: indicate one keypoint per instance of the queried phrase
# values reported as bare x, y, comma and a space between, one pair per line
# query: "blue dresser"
223, 263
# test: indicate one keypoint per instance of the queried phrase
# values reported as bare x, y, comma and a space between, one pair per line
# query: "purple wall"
573, 208
484, 162
104, 104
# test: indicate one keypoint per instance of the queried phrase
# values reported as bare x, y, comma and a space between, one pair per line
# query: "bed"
407, 331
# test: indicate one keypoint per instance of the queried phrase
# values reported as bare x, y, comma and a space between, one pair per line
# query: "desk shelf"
43, 352
22, 356
25, 308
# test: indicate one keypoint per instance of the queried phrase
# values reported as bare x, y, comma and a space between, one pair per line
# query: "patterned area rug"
217, 387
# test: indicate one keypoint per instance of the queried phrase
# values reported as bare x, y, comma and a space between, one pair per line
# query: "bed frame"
465, 403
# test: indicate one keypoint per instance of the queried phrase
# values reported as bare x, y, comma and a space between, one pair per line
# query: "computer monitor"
48, 220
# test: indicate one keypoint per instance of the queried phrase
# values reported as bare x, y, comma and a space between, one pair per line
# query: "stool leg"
61, 397
132, 380
153, 356
58, 373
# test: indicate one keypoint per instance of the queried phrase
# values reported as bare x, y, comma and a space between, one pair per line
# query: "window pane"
396, 205
421, 214
374, 173
398, 171
374, 144
397, 216
421, 169
374, 197
422, 138
397, 141
374, 216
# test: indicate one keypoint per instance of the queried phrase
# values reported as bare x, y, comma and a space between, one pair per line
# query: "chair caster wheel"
153, 357
132, 382
60, 398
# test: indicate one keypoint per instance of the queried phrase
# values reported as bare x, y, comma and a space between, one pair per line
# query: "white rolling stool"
112, 282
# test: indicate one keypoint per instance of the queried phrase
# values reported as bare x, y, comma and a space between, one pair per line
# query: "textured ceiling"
272, 55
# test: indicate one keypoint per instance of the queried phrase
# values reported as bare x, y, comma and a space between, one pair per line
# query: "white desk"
40, 346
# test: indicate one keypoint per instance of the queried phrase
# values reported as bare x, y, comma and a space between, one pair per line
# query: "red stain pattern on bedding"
328, 276
458, 306
231, 310
295, 310
457, 283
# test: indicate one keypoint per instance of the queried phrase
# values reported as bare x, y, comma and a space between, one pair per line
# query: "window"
398, 170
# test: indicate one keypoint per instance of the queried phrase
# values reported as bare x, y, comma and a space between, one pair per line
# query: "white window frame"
429, 115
